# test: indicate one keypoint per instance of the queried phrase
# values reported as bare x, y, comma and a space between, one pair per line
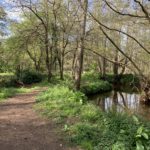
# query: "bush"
129, 79
90, 76
7, 80
109, 77
29, 77
125, 79
96, 87
91, 84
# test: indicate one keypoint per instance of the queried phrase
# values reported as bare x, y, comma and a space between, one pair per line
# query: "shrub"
29, 77
7, 80
125, 79
129, 79
108, 77
91, 84
90, 76
96, 87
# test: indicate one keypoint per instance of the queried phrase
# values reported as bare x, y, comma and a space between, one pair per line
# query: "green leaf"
139, 146
140, 130
122, 131
138, 136
145, 135
136, 119
66, 128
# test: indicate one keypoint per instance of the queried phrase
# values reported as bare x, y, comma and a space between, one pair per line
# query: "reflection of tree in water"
127, 102
120, 102
115, 101
101, 102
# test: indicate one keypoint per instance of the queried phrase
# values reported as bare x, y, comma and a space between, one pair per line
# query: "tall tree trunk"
62, 67
115, 67
48, 64
104, 60
80, 51
99, 65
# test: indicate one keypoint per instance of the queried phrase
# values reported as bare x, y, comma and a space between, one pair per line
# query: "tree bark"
80, 50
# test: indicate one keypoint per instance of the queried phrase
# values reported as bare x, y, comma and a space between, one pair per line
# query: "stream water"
121, 101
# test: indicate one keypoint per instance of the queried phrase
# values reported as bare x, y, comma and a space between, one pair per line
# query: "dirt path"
22, 129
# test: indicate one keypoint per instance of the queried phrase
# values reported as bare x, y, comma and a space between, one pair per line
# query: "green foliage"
85, 134
108, 77
29, 77
90, 113
7, 80
9, 92
125, 79
87, 126
129, 79
90, 76
91, 84
142, 136
66, 82
61, 102
96, 87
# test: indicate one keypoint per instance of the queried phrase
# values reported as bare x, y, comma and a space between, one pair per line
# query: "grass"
87, 126
12, 91
9, 92
7, 74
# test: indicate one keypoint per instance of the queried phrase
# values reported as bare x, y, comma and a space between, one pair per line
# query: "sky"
12, 13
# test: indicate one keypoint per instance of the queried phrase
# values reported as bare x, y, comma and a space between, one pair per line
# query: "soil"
21, 128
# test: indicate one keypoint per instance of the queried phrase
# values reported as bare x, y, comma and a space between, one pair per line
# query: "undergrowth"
87, 126
91, 84
125, 79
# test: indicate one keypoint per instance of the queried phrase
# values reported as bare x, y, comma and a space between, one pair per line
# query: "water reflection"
121, 101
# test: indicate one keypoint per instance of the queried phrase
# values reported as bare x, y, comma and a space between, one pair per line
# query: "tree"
80, 50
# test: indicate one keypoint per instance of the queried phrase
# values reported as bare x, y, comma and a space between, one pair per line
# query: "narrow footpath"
21, 128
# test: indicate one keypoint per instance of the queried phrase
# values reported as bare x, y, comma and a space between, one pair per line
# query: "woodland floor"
21, 128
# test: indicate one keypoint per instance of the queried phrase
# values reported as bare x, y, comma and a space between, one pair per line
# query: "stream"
121, 101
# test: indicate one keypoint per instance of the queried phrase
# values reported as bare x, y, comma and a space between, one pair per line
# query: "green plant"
142, 136
86, 125
124, 79
96, 87
29, 77
7, 80
129, 79
11, 91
